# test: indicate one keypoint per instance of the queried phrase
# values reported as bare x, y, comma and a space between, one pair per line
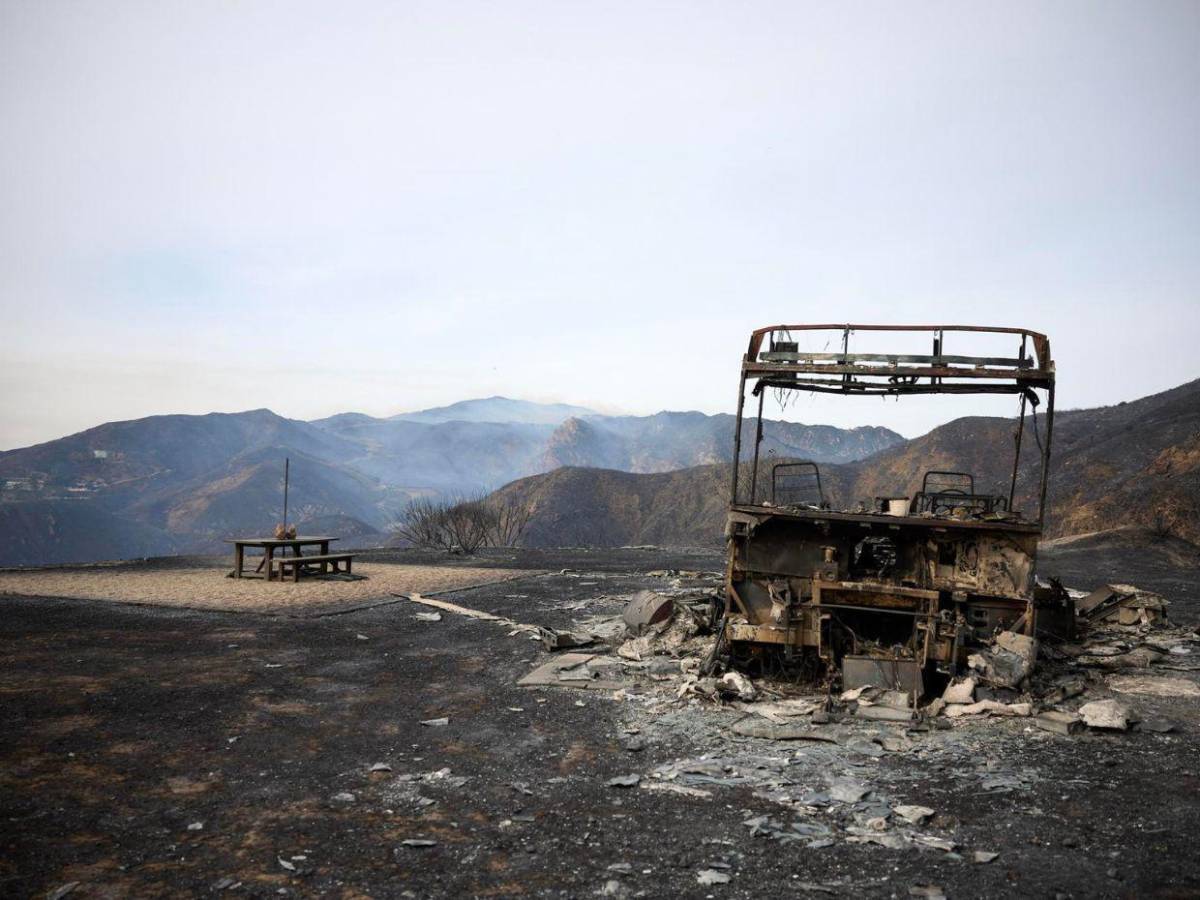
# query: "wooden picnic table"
270, 545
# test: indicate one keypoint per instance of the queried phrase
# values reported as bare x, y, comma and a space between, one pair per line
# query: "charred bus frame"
888, 592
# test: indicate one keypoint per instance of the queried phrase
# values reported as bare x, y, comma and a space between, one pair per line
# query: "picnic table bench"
307, 565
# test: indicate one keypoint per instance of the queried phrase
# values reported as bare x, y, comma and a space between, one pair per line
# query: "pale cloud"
590, 203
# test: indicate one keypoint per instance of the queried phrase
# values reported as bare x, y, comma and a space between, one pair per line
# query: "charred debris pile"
665, 648
690, 724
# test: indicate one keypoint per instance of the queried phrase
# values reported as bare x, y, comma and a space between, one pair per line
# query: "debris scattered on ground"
1157, 725
578, 670
784, 711
960, 691
343, 797
1059, 722
738, 685
381, 767
418, 843
455, 608
1122, 604
805, 747
684, 791
709, 877
406, 790
885, 713
1107, 714
847, 790
646, 608
436, 723
755, 728
914, 815
987, 707
1154, 686
553, 639
1008, 662
429, 617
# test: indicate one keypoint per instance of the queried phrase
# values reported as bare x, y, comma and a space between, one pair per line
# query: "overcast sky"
386, 206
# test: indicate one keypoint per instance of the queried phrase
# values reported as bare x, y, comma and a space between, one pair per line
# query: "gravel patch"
208, 589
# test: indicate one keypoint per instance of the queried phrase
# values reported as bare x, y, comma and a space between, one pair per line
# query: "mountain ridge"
1133, 464
199, 479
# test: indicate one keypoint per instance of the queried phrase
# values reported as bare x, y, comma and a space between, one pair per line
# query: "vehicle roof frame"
783, 365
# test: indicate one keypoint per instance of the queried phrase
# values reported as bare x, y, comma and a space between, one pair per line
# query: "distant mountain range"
183, 483
170, 484
1133, 465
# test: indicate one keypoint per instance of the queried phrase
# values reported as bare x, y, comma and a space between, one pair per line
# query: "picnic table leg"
239, 556
268, 555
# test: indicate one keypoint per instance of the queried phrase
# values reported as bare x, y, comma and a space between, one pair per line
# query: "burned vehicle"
895, 588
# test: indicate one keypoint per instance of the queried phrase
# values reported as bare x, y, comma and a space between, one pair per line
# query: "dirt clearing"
206, 588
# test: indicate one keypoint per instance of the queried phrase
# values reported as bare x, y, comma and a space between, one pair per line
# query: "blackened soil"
123, 726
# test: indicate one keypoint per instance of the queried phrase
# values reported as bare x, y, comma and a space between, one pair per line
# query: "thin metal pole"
845, 352
1012, 486
757, 444
737, 439
1046, 454
286, 465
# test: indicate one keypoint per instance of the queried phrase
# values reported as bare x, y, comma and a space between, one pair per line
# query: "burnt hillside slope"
1133, 464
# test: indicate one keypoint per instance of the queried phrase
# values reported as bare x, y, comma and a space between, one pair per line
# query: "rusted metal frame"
815, 470
1046, 455
737, 438
1012, 486
888, 521
895, 359
941, 349
877, 587
845, 352
731, 591
929, 632
1041, 343
758, 431
859, 388
911, 613
753, 369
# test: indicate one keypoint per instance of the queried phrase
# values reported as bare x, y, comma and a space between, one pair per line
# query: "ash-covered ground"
150, 751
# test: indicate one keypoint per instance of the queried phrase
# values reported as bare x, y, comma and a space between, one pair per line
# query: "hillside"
1134, 464
48, 532
576, 507
676, 440
200, 479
